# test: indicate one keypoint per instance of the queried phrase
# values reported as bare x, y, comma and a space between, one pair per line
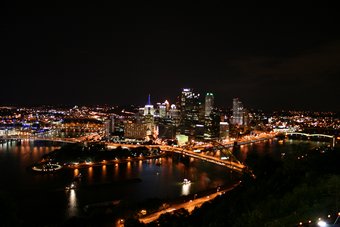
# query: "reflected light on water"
90, 173
186, 189
75, 172
116, 170
72, 203
140, 165
128, 169
104, 171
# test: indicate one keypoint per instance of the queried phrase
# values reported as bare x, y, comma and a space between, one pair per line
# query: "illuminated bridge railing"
313, 135
309, 135
237, 166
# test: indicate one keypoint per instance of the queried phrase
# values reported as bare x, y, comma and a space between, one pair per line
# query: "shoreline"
190, 205
94, 164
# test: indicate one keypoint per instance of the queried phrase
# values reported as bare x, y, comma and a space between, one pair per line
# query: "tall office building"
148, 108
224, 131
112, 123
161, 110
238, 112
167, 105
107, 128
190, 107
211, 125
174, 115
209, 104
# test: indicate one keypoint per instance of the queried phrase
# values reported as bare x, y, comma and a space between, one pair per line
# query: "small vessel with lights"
186, 181
71, 186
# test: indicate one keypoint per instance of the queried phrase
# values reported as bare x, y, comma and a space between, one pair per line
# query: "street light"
322, 223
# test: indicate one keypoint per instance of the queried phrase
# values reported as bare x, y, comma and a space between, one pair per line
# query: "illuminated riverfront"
163, 114
155, 163
100, 168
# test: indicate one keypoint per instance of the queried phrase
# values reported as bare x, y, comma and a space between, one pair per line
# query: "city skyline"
268, 57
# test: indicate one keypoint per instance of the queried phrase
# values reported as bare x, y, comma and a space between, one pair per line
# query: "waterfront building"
224, 131
199, 131
182, 139
211, 124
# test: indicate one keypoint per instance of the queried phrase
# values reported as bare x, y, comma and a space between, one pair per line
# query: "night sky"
271, 58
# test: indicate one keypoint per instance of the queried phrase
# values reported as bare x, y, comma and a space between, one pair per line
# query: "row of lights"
321, 222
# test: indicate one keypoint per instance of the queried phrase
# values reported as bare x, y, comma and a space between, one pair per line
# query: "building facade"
209, 104
238, 112
190, 110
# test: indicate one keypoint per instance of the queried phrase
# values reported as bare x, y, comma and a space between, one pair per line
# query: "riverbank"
190, 205
301, 185
95, 154
111, 162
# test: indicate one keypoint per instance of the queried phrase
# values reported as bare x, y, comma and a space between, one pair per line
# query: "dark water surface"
42, 198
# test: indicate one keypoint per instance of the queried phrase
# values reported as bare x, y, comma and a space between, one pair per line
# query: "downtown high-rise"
238, 112
209, 104
190, 109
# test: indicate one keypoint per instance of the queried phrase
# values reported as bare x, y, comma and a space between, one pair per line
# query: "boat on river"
71, 186
186, 181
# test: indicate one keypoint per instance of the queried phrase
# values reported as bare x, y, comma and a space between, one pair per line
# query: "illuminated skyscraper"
167, 104
162, 111
209, 104
238, 112
148, 108
108, 128
190, 106
112, 123
224, 131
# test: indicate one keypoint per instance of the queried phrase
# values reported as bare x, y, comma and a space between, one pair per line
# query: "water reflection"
186, 189
104, 171
75, 172
90, 174
128, 169
116, 171
72, 203
158, 178
140, 165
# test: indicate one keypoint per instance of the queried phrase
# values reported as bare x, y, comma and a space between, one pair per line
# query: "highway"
190, 205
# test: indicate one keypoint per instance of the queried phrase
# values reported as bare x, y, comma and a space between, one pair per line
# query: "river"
41, 197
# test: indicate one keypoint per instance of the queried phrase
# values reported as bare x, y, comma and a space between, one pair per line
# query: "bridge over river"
230, 161
312, 135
